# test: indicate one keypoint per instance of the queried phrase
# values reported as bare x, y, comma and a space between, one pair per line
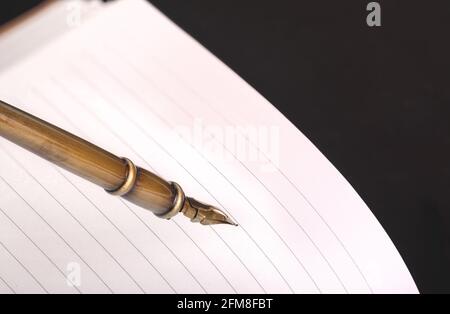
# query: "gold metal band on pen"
129, 182
177, 204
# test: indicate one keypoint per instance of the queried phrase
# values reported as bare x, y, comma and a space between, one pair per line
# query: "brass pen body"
116, 175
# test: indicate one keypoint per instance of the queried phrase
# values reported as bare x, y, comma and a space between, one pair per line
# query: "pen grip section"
151, 192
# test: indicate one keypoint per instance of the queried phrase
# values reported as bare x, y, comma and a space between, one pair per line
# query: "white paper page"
133, 83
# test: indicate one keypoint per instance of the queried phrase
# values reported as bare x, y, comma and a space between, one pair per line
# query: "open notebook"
129, 80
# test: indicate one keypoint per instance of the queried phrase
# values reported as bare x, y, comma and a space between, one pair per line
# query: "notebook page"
132, 82
46, 21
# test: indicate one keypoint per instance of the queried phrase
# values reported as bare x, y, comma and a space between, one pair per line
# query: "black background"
375, 101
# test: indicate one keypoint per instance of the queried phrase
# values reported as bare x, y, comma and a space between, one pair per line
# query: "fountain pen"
118, 176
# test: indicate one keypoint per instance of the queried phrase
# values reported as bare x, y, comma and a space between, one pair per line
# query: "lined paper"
132, 82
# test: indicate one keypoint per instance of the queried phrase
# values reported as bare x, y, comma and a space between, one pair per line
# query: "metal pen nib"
204, 213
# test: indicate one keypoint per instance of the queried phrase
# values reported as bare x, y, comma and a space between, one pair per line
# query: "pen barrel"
84, 159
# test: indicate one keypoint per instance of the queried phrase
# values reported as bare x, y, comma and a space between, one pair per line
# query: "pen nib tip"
205, 214
231, 222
